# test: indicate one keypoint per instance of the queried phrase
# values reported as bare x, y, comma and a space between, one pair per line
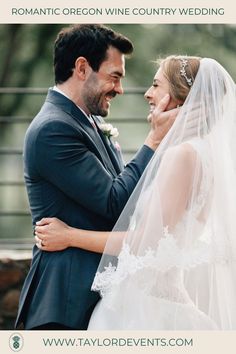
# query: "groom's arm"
63, 159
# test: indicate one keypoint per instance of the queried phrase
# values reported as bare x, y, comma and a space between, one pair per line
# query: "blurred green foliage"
27, 61
26, 54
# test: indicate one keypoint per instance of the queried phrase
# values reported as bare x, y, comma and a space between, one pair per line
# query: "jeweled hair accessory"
184, 63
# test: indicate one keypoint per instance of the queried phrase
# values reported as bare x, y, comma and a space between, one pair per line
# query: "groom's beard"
96, 102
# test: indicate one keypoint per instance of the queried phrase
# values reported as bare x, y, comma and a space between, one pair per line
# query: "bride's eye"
154, 85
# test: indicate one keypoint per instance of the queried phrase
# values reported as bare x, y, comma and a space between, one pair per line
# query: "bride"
170, 261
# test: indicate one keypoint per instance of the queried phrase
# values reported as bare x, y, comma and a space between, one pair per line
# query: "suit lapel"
114, 155
118, 156
69, 107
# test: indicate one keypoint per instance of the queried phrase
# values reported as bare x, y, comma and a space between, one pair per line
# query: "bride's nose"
148, 93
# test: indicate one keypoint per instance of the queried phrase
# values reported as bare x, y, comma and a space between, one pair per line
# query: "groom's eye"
115, 77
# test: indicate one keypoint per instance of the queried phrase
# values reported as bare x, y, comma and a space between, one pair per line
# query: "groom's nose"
119, 88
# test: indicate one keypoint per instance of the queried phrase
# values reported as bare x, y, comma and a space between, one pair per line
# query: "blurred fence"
20, 217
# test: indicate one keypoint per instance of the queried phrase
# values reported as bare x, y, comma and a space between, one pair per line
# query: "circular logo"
16, 342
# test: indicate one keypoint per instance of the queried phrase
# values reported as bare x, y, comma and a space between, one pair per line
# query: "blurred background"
26, 72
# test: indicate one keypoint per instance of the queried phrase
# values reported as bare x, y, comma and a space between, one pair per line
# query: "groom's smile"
109, 97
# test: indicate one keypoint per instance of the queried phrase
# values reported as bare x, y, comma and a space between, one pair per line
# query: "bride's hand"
51, 234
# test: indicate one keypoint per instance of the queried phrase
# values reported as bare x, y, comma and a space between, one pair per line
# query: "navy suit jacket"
76, 174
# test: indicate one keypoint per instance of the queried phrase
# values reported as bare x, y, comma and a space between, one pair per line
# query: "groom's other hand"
161, 121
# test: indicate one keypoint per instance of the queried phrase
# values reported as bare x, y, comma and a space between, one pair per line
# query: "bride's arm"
178, 173
175, 182
55, 235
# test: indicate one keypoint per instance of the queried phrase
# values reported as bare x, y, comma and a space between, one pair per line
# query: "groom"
74, 172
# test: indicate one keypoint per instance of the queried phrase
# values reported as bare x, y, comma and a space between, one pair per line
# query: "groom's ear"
82, 68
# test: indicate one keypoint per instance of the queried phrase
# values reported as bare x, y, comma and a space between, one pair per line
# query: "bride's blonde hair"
179, 84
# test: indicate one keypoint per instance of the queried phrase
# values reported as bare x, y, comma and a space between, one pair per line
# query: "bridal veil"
180, 222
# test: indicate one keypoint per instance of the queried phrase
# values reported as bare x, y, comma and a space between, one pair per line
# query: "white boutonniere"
108, 130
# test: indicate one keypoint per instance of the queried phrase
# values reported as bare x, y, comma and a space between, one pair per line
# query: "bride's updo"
180, 71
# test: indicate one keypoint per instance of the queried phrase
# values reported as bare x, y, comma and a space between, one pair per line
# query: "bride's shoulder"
184, 153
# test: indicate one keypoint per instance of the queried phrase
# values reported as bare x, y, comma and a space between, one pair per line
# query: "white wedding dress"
168, 305
176, 263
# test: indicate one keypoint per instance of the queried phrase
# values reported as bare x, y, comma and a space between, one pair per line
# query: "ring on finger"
40, 243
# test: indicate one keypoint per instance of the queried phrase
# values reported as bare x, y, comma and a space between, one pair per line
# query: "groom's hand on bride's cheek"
161, 121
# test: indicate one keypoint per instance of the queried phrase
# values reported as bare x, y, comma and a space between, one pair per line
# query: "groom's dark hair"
87, 40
